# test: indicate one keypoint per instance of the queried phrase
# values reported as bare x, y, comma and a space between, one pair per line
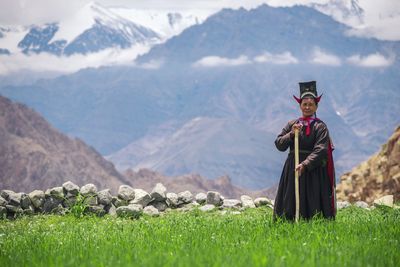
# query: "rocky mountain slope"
376, 177
34, 155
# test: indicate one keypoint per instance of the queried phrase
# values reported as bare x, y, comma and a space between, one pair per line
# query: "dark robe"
317, 183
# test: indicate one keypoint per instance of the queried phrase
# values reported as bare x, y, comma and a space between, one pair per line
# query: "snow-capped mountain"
346, 11
92, 29
166, 23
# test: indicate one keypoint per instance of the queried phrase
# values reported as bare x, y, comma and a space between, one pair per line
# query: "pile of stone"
129, 202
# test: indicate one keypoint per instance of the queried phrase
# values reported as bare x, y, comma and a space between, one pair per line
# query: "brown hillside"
376, 177
34, 155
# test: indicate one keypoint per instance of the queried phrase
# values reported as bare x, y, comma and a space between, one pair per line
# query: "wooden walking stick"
296, 177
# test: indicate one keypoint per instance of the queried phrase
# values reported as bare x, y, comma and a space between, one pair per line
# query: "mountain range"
224, 88
94, 28
37, 156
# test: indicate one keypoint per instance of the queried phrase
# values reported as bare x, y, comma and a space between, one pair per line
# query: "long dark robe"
316, 184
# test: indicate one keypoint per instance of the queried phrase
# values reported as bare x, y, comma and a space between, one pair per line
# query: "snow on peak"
167, 23
85, 18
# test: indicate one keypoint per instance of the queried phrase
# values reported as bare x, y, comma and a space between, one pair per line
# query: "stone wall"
130, 202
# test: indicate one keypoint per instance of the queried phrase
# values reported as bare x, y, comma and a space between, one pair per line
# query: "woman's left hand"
300, 168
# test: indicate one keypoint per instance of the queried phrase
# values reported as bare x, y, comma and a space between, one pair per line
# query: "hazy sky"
38, 11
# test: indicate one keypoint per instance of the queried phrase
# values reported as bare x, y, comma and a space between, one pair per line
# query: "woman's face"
308, 106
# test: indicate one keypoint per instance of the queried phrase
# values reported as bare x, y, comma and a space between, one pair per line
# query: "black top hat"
308, 89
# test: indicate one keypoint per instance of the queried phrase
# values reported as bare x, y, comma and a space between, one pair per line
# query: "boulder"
159, 192
88, 190
56, 192
125, 192
104, 197
112, 210
117, 202
3, 202
160, 206
342, 204
151, 211
70, 189
361, 204
232, 203
14, 209
89, 193
172, 200
52, 204
97, 210
141, 197
262, 201
132, 210
185, 197
214, 198
247, 202
6, 194
26, 202
384, 201
201, 198
37, 198
14, 199
207, 207
3, 212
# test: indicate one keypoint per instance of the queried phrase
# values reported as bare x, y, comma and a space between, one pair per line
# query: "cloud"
284, 58
215, 61
323, 58
371, 61
67, 64
27, 12
266, 57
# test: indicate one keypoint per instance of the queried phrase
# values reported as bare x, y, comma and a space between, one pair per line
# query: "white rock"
342, 204
89, 190
125, 192
151, 211
207, 207
56, 192
3, 202
185, 197
384, 201
262, 201
141, 197
159, 192
37, 198
201, 198
231, 203
104, 197
132, 210
247, 202
70, 189
172, 200
361, 204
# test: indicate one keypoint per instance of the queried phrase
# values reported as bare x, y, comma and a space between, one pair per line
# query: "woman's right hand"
295, 126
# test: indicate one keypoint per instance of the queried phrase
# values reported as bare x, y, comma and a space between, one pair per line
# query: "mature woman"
316, 171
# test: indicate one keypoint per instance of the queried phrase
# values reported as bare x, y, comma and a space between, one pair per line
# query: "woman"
316, 171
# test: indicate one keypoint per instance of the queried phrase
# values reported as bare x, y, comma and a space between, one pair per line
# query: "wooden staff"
296, 177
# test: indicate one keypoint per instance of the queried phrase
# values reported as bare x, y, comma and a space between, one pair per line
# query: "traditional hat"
308, 89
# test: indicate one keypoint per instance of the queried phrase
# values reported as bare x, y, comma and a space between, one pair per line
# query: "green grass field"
356, 238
